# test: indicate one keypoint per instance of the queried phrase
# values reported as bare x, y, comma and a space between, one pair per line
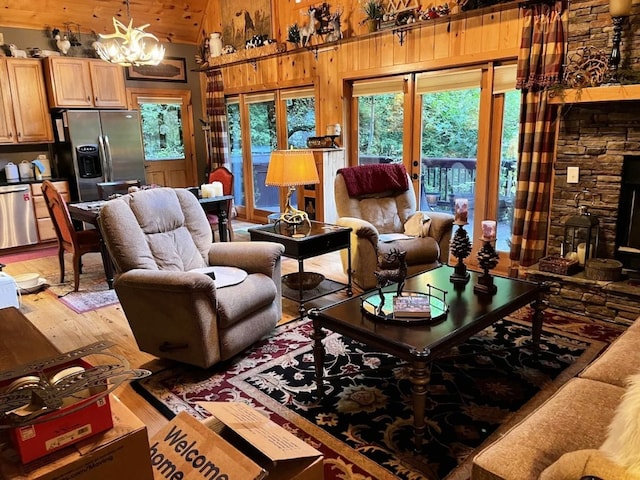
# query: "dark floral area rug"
363, 425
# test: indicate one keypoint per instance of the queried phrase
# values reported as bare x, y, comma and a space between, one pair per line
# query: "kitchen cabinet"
84, 83
24, 115
318, 200
46, 230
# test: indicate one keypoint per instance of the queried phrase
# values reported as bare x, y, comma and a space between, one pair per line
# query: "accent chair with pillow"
185, 297
378, 201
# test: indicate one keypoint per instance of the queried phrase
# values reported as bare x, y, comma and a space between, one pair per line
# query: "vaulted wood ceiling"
177, 21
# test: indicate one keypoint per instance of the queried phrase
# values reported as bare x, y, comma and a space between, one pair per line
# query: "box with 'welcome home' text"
237, 443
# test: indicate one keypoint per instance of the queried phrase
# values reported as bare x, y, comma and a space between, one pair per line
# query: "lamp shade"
620, 8
291, 167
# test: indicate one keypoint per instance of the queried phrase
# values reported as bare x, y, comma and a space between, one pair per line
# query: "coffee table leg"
420, 376
318, 355
536, 322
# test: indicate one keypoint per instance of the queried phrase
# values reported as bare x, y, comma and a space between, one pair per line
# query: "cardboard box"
120, 453
238, 442
79, 418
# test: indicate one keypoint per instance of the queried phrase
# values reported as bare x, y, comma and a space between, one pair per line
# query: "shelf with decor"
603, 93
262, 53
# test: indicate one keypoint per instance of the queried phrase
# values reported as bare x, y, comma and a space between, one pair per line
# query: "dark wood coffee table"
419, 343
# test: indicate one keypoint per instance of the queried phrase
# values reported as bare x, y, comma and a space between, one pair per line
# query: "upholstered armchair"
382, 202
164, 257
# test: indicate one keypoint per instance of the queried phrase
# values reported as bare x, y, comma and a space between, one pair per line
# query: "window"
262, 134
300, 105
235, 151
449, 139
162, 129
380, 107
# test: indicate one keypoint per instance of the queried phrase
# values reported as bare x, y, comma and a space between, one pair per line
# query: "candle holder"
614, 57
460, 248
487, 259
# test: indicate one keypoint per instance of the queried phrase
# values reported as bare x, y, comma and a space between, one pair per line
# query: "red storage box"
81, 416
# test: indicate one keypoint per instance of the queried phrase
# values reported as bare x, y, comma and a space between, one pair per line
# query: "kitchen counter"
4, 183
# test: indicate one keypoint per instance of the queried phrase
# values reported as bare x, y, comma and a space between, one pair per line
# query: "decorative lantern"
581, 234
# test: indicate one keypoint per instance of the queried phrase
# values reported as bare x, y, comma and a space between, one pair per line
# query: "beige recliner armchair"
385, 211
161, 245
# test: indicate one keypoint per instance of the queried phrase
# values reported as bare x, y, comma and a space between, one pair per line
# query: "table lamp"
290, 168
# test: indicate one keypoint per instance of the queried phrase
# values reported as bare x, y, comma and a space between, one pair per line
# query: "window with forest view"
162, 130
449, 147
508, 168
235, 151
380, 128
301, 121
262, 132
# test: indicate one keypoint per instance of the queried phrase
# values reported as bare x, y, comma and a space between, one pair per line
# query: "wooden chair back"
106, 189
60, 216
225, 177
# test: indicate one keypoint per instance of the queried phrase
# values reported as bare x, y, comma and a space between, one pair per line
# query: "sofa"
383, 204
589, 428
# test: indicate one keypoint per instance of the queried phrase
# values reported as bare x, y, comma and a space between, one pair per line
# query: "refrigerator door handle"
107, 150
103, 159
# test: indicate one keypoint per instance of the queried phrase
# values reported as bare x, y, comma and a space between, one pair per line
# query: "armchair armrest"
360, 228
253, 257
441, 229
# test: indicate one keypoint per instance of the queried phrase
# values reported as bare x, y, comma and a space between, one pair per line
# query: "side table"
305, 243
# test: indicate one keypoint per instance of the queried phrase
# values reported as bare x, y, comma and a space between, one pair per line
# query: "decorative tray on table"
410, 307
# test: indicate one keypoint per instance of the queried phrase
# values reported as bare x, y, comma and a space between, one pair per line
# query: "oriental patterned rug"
363, 426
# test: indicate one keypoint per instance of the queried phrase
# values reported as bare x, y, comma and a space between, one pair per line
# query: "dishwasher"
17, 218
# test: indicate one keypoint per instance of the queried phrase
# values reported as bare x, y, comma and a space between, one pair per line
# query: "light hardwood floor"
68, 330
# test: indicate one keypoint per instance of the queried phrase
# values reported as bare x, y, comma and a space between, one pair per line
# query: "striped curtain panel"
539, 67
216, 137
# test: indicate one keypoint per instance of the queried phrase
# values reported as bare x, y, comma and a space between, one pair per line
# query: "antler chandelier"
128, 45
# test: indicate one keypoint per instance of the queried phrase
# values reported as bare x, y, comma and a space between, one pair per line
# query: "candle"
488, 229
204, 190
216, 188
620, 8
461, 209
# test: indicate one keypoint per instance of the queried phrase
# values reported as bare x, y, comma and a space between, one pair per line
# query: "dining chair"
76, 242
107, 189
224, 176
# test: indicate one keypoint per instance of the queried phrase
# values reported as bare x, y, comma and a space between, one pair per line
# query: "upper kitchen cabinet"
24, 115
84, 83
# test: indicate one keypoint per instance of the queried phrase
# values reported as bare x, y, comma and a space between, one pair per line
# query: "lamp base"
293, 217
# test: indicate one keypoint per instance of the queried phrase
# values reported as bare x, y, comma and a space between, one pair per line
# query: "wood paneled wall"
490, 34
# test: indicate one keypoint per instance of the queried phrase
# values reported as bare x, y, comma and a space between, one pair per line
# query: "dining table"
89, 212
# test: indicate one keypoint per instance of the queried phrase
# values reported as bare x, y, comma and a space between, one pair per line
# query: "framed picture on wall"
242, 19
171, 69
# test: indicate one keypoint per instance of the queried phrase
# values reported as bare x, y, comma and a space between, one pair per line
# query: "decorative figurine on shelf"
392, 267
487, 259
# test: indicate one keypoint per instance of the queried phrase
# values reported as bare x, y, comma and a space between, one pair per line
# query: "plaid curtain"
539, 67
216, 134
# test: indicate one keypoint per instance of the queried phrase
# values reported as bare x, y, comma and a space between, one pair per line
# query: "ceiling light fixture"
128, 45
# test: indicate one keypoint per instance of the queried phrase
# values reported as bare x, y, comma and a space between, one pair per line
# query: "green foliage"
450, 125
301, 121
372, 9
380, 125
162, 131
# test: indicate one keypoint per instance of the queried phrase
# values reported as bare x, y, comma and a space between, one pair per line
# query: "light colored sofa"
562, 438
385, 212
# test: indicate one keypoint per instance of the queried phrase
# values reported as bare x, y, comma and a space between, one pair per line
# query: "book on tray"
412, 306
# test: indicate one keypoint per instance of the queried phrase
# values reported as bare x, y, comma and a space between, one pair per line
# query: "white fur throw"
623, 439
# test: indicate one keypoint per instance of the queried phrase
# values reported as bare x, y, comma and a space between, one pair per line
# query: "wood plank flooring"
68, 330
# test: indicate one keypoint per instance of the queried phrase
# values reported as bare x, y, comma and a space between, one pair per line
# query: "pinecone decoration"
487, 257
460, 244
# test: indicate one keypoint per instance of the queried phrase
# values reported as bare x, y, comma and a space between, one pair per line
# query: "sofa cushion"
573, 418
619, 360
585, 463
420, 250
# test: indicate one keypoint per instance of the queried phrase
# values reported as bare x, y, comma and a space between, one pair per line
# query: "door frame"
191, 170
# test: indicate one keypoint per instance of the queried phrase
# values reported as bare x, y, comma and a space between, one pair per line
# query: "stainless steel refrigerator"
99, 146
